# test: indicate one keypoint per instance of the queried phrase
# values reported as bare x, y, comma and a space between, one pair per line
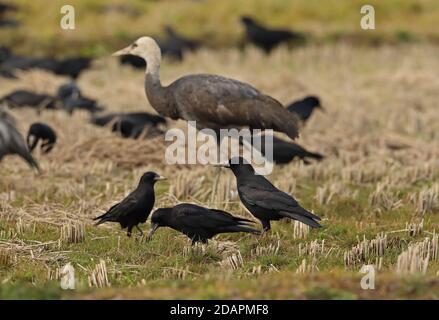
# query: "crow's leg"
140, 230
130, 228
265, 226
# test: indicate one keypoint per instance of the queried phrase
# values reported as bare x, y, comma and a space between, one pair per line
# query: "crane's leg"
218, 170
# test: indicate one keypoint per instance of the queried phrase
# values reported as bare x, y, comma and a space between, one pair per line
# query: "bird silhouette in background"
131, 124
39, 131
265, 38
11, 140
136, 207
264, 200
25, 98
198, 223
305, 107
284, 151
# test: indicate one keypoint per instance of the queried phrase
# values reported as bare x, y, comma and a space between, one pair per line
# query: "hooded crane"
212, 101
11, 140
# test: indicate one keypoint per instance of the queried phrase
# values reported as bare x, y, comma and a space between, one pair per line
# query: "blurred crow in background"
265, 38
72, 99
11, 140
25, 98
305, 107
41, 131
131, 125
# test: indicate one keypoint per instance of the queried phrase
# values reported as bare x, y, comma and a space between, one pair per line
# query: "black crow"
136, 207
198, 223
134, 61
132, 128
72, 66
132, 124
177, 40
4, 7
73, 99
265, 38
41, 131
9, 23
11, 140
68, 90
305, 107
264, 200
71, 104
23, 98
285, 151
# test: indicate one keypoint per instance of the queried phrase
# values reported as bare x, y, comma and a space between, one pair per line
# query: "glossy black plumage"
265, 38
136, 207
305, 107
198, 223
264, 200
39, 131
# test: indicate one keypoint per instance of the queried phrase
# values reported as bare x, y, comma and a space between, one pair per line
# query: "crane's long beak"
122, 52
154, 227
160, 178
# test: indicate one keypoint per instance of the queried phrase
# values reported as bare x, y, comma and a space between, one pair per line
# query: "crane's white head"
144, 47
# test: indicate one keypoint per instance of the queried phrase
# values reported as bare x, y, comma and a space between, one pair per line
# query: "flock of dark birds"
213, 101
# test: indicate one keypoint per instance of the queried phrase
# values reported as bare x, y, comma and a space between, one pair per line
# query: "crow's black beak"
154, 227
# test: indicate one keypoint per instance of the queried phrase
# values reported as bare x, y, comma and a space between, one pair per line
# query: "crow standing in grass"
305, 107
198, 223
264, 200
11, 140
136, 207
265, 38
41, 131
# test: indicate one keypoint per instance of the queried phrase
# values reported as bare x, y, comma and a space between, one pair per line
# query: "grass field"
102, 25
376, 191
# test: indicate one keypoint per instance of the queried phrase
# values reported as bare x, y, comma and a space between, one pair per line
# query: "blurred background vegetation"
102, 26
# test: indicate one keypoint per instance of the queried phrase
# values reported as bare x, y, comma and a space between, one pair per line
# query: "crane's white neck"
153, 59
